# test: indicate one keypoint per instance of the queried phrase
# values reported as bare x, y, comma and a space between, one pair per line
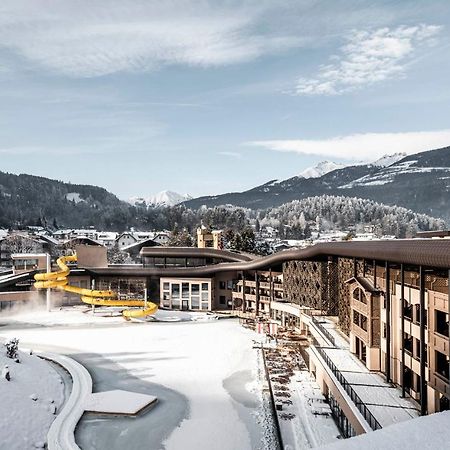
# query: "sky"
207, 97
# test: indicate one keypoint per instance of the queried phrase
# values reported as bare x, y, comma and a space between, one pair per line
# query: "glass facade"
125, 287
186, 294
167, 261
341, 420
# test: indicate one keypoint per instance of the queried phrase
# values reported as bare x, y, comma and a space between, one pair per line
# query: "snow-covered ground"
28, 401
187, 364
313, 425
425, 433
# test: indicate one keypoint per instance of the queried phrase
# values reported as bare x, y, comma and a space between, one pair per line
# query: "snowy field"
203, 371
28, 401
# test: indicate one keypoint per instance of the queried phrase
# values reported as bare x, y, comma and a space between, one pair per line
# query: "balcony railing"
362, 408
323, 330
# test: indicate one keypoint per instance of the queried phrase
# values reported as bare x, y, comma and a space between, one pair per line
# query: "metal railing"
362, 408
272, 403
323, 330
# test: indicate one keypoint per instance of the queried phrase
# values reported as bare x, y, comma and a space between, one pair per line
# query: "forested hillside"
297, 218
419, 182
29, 200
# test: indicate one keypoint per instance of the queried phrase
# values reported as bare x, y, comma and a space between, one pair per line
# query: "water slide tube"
59, 280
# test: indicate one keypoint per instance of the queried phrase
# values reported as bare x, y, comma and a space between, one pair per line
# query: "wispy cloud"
368, 58
366, 146
234, 155
91, 38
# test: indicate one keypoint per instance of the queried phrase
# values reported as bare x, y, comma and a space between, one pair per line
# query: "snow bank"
28, 401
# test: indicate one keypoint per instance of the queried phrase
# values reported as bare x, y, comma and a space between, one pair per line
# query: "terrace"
380, 403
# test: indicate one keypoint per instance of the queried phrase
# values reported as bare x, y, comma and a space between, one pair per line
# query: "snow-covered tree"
12, 348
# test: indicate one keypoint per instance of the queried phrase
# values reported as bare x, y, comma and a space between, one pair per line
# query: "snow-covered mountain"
325, 167
420, 182
163, 198
388, 160
321, 169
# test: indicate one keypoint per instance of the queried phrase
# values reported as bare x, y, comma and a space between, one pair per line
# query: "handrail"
368, 416
323, 330
272, 402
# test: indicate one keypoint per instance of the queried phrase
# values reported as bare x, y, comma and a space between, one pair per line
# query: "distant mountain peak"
321, 169
388, 160
163, 198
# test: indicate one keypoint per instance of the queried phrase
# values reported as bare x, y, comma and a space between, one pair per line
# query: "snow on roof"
138, 244
426, 432
49, 239
162, 233
62, 232
84, 230
106, 235
27, 255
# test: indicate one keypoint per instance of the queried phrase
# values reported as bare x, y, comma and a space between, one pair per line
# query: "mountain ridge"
163, 198
417, 182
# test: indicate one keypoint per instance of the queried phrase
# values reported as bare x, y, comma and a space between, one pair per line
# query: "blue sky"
207, 97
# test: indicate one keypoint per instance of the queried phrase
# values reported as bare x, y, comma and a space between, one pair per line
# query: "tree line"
27, 200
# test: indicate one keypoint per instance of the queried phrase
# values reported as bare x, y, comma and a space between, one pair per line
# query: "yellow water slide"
91, 296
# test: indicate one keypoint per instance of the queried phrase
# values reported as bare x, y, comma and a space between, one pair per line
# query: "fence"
323, 330
362, 408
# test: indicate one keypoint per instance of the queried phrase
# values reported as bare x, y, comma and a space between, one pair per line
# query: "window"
417, 314
417, 349
441, 323
408, 311
408, 378
363, 322
166, 286
205, 286
222, 300
195, 302
358, 294
222, 285
408, 344
195, 289
175, 291
185, 290
159, 262
360, 320
149, 262
441, 364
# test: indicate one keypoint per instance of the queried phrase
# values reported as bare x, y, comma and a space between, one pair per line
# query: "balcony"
360, 307
439, 383
440, 342
379, 403
278, 286
360, 333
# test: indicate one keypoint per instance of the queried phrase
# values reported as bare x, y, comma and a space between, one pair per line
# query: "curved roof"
425, 252
194, 252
